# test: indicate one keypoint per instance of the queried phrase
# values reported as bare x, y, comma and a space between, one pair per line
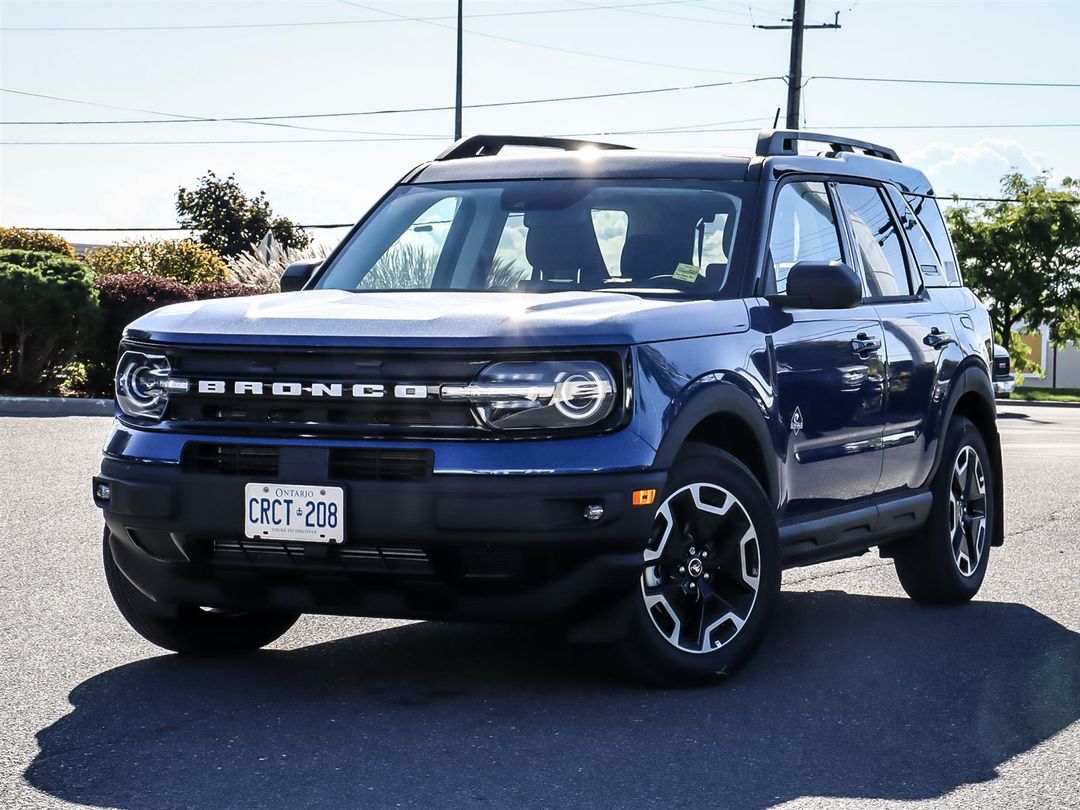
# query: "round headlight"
143, 383
522, 395
580, 395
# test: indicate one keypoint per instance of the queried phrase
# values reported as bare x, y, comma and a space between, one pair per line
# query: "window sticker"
686, 272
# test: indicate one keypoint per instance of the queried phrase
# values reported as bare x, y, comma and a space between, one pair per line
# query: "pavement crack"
828, 574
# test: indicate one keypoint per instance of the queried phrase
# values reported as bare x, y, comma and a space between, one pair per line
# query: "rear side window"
803, 230
929, 215
877, 241
925, 255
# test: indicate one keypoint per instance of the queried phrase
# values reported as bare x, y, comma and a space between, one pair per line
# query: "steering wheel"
670, 277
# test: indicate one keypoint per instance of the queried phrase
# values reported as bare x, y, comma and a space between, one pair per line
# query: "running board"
848, 533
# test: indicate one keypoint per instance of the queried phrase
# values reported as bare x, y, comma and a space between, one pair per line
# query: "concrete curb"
1033, 403
55, 406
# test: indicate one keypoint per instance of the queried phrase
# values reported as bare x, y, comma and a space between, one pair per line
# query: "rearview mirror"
820, 285
298, 274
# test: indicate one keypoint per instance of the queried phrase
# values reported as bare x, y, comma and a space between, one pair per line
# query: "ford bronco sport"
614, 388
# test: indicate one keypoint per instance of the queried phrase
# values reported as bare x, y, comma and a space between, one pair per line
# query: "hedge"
42, 241
177, 259
127, 296
48, 313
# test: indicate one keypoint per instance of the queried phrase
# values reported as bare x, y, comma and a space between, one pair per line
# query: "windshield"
646, 236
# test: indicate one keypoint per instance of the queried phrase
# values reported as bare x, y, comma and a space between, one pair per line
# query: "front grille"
362, 463
231, 459
371, 559
308, 412
346, 463
1001, 366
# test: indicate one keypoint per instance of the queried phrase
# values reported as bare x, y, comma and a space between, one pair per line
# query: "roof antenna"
776, 118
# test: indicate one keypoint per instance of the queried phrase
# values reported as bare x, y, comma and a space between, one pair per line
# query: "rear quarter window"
929, 216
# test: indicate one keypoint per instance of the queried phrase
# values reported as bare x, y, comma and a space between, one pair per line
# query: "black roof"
477, 158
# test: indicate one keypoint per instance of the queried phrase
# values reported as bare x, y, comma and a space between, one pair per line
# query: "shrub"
252, 269
124, 297
127, 296
221, 289
178, 259
48, 311
42, 241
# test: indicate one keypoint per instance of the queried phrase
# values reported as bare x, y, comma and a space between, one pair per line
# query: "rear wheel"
710, 574
946, 562
189, 628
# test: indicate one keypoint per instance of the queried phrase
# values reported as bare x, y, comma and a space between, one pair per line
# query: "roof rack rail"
486, 145
786, 142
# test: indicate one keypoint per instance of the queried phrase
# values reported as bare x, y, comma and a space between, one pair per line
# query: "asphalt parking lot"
858, 698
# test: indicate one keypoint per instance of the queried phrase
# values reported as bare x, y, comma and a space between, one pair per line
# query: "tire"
695, 617
946, 562
191, 629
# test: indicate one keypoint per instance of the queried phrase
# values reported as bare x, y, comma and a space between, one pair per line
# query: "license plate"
311, 514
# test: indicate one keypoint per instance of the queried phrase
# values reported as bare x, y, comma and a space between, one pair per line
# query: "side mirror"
821, 285
298, 274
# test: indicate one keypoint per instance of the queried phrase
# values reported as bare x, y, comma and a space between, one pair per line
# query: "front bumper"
1004, 385
484, 547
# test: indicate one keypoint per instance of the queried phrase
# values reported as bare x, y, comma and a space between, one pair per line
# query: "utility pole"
794, 78
457, 102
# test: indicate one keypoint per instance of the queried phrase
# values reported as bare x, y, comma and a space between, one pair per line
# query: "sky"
175, 59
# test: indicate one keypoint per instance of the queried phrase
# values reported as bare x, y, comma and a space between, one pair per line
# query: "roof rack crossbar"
786, 142
486, 145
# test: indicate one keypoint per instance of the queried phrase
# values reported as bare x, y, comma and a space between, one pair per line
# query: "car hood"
439, 319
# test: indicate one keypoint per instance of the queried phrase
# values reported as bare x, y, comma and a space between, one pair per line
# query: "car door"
828, 364
916, 327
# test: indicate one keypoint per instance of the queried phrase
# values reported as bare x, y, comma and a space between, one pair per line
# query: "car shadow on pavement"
849, 696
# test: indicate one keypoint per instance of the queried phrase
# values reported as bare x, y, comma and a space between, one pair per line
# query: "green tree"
231, 221
1023, 259
48, 311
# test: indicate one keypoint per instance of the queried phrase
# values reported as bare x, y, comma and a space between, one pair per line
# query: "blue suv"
621, 390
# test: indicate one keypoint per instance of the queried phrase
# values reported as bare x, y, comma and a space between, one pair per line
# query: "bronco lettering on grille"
317, 389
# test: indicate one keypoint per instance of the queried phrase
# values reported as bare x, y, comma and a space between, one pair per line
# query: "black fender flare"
711, 397
973, 379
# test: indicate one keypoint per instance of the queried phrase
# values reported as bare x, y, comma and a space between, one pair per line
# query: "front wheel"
710, 574
188, 628
946, 562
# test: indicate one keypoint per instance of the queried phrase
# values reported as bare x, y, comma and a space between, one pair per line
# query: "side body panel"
922, 356
830, 404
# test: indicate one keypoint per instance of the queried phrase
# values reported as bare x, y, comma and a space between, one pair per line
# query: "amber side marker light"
643, 497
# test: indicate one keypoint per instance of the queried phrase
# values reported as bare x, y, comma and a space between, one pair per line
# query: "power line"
744, 5
856, 127
682, 129
317, 23
177, 119
173, 118
960, 82
644, 131
528, 44
634, 10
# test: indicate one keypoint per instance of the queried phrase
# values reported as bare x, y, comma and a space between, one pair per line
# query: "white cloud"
976, 169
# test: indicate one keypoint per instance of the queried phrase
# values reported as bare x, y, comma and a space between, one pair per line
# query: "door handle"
864, 343
938, 339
